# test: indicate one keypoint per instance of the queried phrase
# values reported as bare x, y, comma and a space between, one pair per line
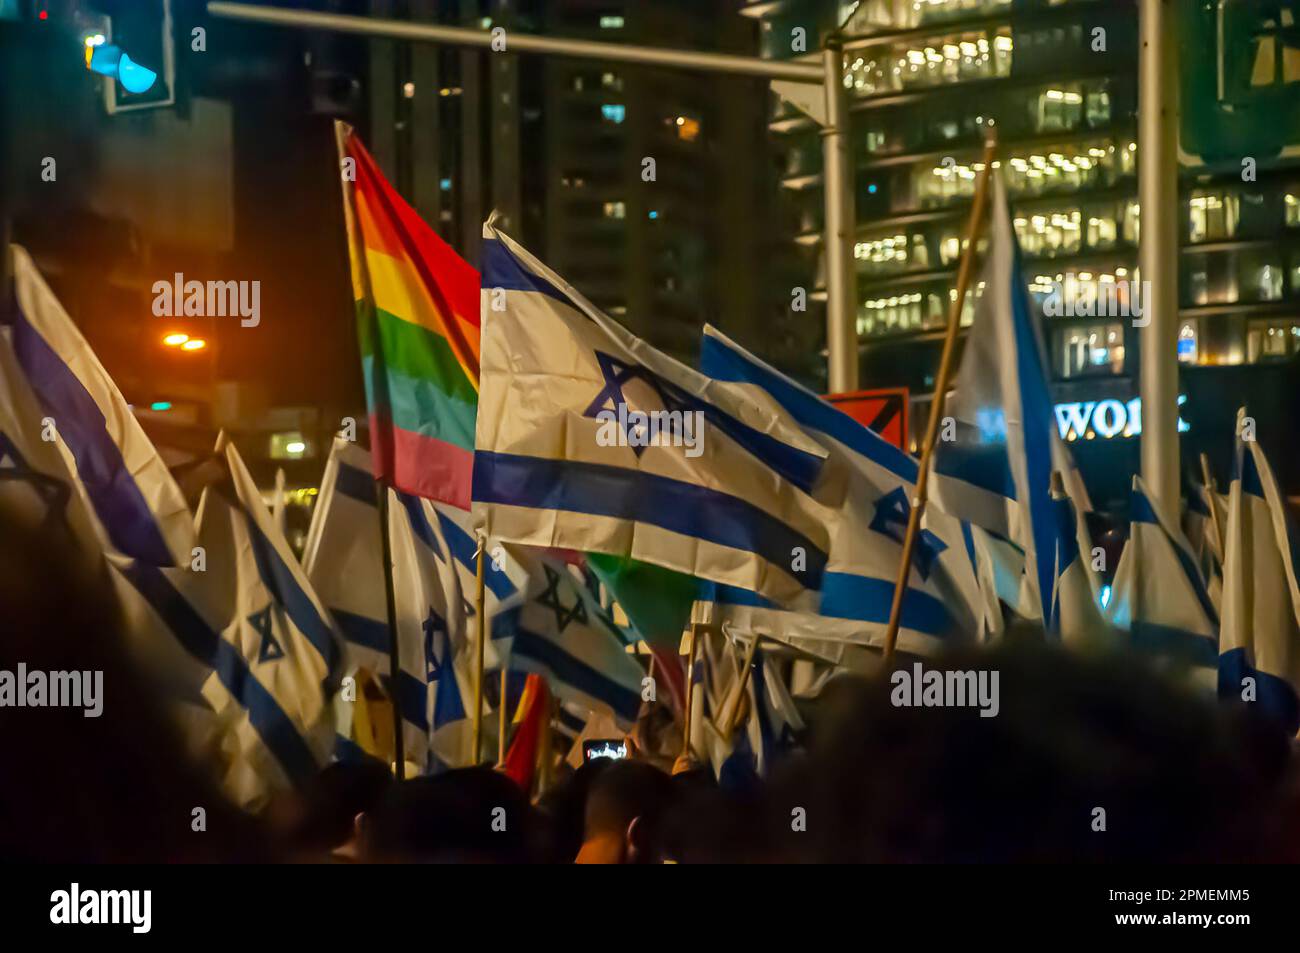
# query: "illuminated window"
613, 112
1212, 216
1292, 204
615, 210
1187, 343
1272, 340
688, 129
611, 23
1092, 349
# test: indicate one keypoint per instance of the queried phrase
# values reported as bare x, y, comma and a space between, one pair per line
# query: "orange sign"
883, 410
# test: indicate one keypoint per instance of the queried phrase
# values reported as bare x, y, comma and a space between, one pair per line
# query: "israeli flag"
993, 462
139, 510
588, 439
768, 728
35, 485
1207, 511
944, 599
245, 608
1259, 645
1158, 596
1076, 615
563, 633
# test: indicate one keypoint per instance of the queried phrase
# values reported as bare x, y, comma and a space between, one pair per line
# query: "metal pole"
520, 42
476, 724
838, 186
394, 656
1158, 249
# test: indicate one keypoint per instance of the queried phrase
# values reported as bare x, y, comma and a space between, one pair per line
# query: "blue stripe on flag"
1141, 511
501, 269
719, 361
117, 499
868, 599
984, 465
1192, 647
362, 630
279, 581
419, 524
1038, 422
268, 719
685, 508
569, 670
355, 484
464, 549
1274, 695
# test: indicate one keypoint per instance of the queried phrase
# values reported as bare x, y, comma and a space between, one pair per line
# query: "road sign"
883, 410
1239, 79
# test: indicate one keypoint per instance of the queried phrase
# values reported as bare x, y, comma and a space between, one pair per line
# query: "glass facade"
926, 80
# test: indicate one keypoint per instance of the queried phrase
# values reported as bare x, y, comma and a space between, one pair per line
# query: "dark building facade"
1058, 78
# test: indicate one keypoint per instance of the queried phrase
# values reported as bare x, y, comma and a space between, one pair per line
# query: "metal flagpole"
692, 648
973, 230
838, 188
837, 178
1158, 249
394, 666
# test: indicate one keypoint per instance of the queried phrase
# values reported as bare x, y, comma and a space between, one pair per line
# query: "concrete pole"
1158, 249
838, 187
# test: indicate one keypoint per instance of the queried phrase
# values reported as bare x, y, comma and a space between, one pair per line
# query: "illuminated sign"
1090, 419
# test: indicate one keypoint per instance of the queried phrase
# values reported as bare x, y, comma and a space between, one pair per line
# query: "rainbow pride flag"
418, 327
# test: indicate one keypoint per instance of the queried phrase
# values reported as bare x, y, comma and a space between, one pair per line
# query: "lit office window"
611, 23
906, 14
1272, 340
1092, 349
615, 210
611, 81
1292, 205
1188, 351
1049, 233
1213, 216
1060, 109
957, 58
688, 129
613, 112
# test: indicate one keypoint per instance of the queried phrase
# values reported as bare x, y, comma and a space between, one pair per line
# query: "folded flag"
589, 439
418, 327
1259, 642
1207, 512
1076, 616
1158, 596
562, 632
994, 458
139, 510
943, 600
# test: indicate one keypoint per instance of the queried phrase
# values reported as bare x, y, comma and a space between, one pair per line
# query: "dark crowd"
1176, 776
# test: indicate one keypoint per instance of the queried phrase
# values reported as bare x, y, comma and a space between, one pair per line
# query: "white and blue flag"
1158, 596
943, 601
1075, 616
139, 510
590, 440
996, 470
1259, 643
563, 633
247, 610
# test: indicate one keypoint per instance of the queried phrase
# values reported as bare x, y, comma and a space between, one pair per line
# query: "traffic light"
133, 43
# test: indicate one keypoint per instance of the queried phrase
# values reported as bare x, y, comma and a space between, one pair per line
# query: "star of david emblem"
437, 645
617, 376
52, 492
551, 600
269, 650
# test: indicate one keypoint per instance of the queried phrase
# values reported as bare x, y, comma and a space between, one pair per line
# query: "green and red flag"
417, 307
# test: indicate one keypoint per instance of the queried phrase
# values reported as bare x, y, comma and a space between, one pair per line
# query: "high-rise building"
1058, 80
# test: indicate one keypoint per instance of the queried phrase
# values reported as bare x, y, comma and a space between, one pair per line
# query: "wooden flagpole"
731, 719
1211, 491
505, 722
973, 230
361, 287
692, 643
476, 733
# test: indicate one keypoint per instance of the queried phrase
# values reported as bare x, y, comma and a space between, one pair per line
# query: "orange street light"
194, 344
175, 340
